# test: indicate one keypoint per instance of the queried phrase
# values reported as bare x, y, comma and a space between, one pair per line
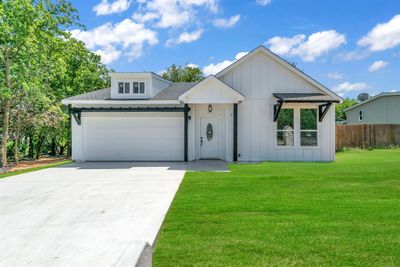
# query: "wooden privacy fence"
367, 135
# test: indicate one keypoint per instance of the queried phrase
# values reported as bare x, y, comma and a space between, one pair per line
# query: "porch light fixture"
210, 108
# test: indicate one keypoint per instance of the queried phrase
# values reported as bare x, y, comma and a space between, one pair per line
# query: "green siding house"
380, 109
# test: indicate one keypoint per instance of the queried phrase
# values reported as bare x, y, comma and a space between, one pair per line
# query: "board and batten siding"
257, 79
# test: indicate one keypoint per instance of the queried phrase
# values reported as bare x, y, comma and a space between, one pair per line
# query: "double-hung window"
138, 87
308, 127
127, 88
360, 115
135, 88
141, 87
120, 88
285, 128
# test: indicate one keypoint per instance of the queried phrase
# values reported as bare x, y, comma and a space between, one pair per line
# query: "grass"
12, 173
345, 213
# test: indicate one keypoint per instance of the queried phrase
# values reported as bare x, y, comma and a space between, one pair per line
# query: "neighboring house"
258, 108
380, 109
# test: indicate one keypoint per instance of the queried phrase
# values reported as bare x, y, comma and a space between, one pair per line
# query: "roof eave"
120, 102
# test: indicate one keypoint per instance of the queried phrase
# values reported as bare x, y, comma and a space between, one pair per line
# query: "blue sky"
351, 46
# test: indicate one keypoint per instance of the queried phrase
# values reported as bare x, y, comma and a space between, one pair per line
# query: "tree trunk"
6, 111
53, 151
39, 145
16, 141
30, 148
69, 151
61, 152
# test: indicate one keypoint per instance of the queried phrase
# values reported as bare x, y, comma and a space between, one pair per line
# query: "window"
127, 88
135, 88
141, 88
138, 87
308, 127
360, 115
285, 128
120, 88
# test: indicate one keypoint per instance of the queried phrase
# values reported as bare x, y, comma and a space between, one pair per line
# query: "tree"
27, 29
347, 102
183, 74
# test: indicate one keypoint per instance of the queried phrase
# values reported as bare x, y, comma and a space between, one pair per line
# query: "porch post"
186, 125
235, 132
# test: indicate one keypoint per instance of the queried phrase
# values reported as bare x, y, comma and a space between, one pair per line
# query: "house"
258, 108
383, 108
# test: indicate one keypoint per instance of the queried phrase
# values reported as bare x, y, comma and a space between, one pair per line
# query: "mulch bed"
27, 164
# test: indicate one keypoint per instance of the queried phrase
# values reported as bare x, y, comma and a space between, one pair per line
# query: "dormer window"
141, 87
138, 87
127, 88
120, 88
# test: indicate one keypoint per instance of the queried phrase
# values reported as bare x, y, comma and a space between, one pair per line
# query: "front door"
209, 138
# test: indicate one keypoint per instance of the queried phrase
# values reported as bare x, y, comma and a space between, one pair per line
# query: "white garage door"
133, 137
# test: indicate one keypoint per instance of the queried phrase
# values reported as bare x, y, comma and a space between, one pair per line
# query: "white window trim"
361, 114
123, 88
139, 93
311, 131
129, 87
278, 130
297, 142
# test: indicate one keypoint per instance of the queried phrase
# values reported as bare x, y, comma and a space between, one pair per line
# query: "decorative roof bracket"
277, 109
323, 109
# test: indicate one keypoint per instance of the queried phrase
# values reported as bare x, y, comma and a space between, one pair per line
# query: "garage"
133, 136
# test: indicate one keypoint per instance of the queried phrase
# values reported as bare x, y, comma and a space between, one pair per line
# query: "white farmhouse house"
258, 108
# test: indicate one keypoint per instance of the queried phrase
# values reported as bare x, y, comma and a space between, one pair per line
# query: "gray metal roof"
304, 97
101, 94
173, 91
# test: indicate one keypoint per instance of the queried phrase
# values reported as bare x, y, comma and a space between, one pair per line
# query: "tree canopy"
183, 74
347, 102
40, 64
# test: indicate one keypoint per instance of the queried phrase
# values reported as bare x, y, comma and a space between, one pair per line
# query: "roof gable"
211, 90
282, 62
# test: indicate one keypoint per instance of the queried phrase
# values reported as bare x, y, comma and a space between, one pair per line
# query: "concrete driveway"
86, 214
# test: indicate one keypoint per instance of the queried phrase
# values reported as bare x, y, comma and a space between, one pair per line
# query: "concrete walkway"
88, 214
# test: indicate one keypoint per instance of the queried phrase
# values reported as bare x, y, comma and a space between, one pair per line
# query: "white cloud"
263, 2
108, 54
353, 55
240, 55
309, 49
112, 40
215, 68
284, 45
335, 75
383, 36
227, 23
106, 8
393, 91
143, 18
185, 37
191, 65
172, 13
377, 65
350, 87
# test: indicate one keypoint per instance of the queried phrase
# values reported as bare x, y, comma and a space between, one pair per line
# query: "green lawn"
345, 213
12, 173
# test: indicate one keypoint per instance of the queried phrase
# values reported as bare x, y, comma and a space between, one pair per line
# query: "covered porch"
211, 121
